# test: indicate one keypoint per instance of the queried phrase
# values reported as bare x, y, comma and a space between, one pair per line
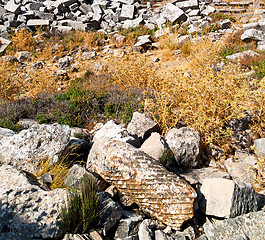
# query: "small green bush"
259, 68
167, 159
81, 211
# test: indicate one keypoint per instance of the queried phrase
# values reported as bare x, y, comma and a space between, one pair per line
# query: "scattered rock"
142, 126
30, 146
110, 212
185, 144
227, 198
27, 211
248, 226
154, 146
112, 130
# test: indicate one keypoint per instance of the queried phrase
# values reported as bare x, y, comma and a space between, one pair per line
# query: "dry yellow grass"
206, 100
57, 170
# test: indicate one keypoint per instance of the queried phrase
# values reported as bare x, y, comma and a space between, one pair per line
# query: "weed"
259, 67
167, 158
221, 16
57, 170
80, 212
23, 40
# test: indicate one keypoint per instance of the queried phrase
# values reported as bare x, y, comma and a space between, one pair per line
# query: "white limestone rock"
227, 198
27, 210
28, 147
185, 144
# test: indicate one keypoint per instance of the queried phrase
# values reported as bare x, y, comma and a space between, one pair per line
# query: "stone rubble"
140, 178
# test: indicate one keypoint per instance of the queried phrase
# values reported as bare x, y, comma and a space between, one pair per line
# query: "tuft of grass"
221, 16
57, 170
81, 210
259, 67
23, 40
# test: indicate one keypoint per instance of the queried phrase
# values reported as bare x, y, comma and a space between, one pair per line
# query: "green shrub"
81, 211
167, 159
259, 68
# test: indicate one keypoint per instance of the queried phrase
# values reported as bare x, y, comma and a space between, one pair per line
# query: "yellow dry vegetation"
58, 172
204, 99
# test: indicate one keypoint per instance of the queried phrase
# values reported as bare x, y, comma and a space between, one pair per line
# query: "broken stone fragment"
4, 43
185, 144
143, 179
259, 147
111, 130
142, 126
248, 226
154, 146
28, 147
26, 209
227, 198
241, 56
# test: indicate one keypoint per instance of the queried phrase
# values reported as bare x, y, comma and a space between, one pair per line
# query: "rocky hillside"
132, 120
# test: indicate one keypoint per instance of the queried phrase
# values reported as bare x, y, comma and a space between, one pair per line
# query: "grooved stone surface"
157, 191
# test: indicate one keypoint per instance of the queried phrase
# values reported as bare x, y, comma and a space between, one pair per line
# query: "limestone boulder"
247, 226
241, 56
111, 130
259, 147
28, 147
28, 211
185, 144
110, 212
154, 146
227, 198
144, 180
142, 126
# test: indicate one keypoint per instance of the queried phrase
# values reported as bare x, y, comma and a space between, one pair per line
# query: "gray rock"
173, 13
142, 126
4, 132
145, 233
227, 198
37, 22
185, 5
27, 211
143, 43
24, 56
224, 24
135, 174
110, 212
185, 144
259, 147
47, 178
12, 7
254, 25
111, 130
154, 146
242, 55
188, 233
248, 226
253, 34
127, 12
27, 148
196, 176
64, 62
261, 46
4, 43
208, 10
89, 55
240, 171
159, 235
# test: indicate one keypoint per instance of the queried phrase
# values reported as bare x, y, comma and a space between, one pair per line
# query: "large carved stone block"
159, 192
